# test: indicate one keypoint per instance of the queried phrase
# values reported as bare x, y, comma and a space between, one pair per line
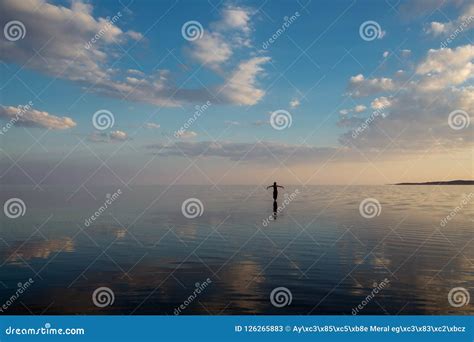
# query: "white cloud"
152, 125
118, 135
218, 43
359, 86
464, 22
234, 18
380, 103
134, 35
445, 67
294, 103
35, 118
241, 86
107, 137
187, 135
67, 54
436, 29
359, 108
416, 112
399, 73
73, 55
135, 72
215, 50
212, 49
385, 54
405, 52
356, 109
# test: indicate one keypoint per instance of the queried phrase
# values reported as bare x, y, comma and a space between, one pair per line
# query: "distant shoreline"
453, 182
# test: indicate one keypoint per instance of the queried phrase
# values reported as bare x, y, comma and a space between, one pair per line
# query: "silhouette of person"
275, 190
275, 196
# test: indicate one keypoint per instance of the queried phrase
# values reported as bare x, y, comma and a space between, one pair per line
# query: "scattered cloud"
223, 37
106, 137
416, 112
118, 135
445, 67
152, 125
234, 18
437, 29
217, 46
187, 135
380, 103
74, 55
35, 118
464, 22
241, 86
359, 108
77, 26
359, 86
405, 52
385, 54
356, 109
135, 72
211, 50
294, 103
399, 73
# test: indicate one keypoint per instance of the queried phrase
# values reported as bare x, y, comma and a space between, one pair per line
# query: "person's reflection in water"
275, 196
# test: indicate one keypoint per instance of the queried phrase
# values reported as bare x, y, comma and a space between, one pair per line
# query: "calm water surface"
319, 247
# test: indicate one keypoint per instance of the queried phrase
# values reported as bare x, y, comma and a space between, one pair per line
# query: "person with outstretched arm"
275, 189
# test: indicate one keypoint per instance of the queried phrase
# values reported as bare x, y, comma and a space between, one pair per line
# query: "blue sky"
319, 70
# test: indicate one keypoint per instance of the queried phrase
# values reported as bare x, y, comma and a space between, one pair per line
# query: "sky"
236, 92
